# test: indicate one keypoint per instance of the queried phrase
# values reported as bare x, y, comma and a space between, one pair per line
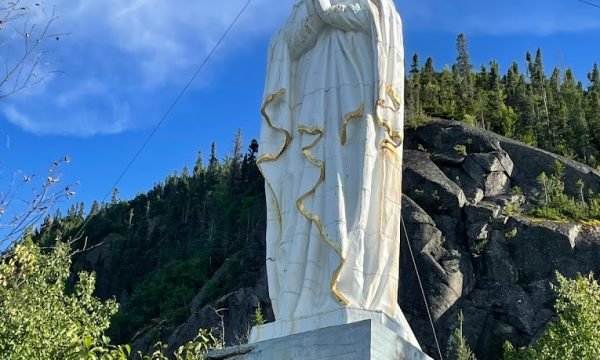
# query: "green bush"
556, 205
575, 332
41, 319
461, 349
192, 350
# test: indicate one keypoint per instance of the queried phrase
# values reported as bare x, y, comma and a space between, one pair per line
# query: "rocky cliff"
475, 252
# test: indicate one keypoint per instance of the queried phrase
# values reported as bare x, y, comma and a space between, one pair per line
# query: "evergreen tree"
236, 159
448, 102
592, 110
198, 166
413, 91
572, 128
114, 199
429, 89
464, 82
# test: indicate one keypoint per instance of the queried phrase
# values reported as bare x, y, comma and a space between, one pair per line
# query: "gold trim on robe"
288, 137
306, 150
353, 115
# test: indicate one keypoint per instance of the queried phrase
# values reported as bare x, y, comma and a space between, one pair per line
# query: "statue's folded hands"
346, 16
302, 30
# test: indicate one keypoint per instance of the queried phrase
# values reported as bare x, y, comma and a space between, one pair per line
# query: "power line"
167, 113
589, 3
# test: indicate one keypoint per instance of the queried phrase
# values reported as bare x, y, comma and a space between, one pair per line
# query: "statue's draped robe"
330, 152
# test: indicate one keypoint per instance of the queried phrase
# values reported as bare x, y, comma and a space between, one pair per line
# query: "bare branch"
24, 214
21, 70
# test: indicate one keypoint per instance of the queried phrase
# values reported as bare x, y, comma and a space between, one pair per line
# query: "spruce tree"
592, 110
413, 90
464, 83
198, 166
429, 88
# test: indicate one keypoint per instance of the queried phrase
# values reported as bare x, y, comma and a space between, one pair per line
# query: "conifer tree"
198, 166
593, 111
413, 90
429, 88
448, 102
465, 90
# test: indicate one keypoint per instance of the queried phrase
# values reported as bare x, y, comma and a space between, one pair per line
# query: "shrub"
459, 343
41, 319
575, 332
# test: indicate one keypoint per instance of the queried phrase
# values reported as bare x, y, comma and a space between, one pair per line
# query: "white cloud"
90, 87
105, 116
119, 54
166, 37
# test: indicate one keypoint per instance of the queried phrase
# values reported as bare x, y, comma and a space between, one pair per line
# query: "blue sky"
125, 61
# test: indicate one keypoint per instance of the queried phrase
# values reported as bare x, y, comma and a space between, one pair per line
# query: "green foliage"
511, 234
200, 229
417, 121
511, 209
460, 348
479, 247
192, 350
460, 149
258, 318
556, 113
41, 319
165, 293
556, 205
574, 334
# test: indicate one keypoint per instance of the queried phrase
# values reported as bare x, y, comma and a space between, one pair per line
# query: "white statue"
331, 155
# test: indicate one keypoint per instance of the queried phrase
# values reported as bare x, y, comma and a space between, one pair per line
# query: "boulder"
475, 171
473, 192
429, 187
496, 183
439, 268
496, 261
511, 303
494, 161
451, 159
540, 248
442, 136
481, 212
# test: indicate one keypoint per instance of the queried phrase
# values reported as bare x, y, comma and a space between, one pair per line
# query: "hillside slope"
196, 243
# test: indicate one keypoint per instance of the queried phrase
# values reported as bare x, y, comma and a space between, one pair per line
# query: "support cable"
412, 255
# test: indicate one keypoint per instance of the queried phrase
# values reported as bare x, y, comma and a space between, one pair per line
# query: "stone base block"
282, 328
364, 340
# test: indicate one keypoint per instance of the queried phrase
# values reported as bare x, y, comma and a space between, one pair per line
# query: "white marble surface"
330, 152
336, 317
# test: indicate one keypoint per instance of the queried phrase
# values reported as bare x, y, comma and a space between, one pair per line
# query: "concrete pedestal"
346, 315
364, 340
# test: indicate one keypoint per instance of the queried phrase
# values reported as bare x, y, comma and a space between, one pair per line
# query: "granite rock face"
502, 262
474, 253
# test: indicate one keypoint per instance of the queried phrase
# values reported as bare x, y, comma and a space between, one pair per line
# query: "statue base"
282, 328
363, 340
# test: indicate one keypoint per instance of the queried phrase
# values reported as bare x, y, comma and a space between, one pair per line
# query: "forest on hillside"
160, 248
203, 228
558, 113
